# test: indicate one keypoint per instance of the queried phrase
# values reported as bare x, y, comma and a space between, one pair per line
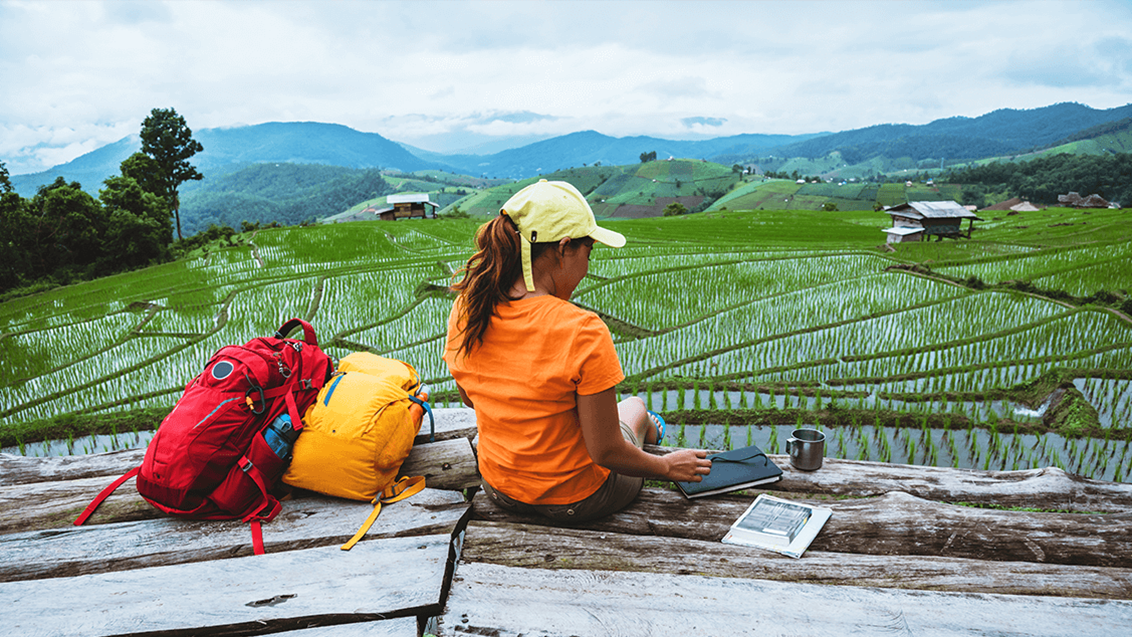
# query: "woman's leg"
632, 412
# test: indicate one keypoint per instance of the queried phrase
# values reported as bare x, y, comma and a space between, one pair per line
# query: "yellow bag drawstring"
399, 490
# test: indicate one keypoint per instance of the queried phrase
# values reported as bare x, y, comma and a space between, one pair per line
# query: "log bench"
899, 555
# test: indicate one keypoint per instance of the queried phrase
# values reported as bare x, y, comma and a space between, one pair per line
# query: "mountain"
860, 152
1001, 132
229, 149
590, 147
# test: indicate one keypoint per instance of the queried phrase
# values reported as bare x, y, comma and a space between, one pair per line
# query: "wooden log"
392, 577
531, 546
451, 424
304, 523
1047, 488
893, 524
448, 464
36, 505
488, 599
26, 470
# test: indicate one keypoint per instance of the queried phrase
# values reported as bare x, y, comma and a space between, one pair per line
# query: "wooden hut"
408, 206
921, 220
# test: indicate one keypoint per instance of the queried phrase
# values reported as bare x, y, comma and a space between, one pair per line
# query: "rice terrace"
1008, 350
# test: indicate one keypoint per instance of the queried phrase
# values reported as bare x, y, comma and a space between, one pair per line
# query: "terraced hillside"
1004, 351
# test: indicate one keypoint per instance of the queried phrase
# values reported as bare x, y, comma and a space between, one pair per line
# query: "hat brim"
608, 237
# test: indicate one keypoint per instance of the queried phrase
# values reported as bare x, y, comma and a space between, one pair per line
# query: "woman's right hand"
687, 465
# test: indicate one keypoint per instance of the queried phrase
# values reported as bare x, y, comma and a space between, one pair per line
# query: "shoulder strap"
90, 509
399, 490
308, 331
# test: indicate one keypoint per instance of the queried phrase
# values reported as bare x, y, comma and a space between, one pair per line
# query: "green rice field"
737, 325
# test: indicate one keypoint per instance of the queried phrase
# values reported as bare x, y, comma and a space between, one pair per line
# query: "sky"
452, 76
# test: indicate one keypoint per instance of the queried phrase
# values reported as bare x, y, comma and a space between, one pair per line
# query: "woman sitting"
541, 372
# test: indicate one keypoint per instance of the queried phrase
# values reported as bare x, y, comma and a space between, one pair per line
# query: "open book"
778, 525
733, 470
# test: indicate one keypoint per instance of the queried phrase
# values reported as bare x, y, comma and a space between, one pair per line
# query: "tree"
5, 183
829, 206
647, 157
137, 230
15, 239
170, 143
68, 225
144, 170
674, 209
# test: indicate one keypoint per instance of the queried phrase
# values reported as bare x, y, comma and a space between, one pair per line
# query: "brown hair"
488, 276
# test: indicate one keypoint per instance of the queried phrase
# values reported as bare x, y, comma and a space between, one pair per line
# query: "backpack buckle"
307, 383
297, 345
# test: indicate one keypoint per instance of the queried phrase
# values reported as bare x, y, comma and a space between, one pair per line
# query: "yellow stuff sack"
359, 431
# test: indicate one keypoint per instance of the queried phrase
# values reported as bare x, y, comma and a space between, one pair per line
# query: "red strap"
257, 538
105, 494
257, 477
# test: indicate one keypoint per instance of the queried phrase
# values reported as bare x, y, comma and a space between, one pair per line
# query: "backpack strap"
90, 509
428, 409
399, 490
308, 331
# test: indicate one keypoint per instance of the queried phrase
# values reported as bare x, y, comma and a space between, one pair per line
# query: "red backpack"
209, 459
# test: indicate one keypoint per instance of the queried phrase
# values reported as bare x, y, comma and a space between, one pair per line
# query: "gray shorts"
612, 496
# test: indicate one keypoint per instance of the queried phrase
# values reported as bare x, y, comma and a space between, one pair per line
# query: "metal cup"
806, 448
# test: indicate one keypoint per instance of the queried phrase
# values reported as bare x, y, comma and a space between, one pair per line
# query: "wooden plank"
531, 546
400, 627
487, 599
304, 523
893, 524
1046, 488
36, 504
55, 505
392, 577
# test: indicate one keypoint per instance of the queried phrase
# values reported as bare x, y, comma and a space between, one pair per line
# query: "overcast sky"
442, 75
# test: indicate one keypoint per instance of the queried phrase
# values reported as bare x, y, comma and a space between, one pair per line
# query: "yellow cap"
549, 211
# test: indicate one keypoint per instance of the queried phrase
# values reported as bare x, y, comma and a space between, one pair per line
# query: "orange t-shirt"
537, 356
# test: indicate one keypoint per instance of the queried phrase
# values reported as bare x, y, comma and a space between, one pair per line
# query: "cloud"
451, 75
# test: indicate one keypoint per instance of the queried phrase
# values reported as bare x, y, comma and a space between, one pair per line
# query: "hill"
227, 150
625, 192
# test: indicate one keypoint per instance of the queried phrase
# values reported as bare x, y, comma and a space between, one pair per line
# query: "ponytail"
488, 276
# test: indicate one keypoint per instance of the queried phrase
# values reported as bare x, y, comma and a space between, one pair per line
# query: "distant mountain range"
227, 150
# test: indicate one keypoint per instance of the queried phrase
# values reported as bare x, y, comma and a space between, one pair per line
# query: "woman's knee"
632, 412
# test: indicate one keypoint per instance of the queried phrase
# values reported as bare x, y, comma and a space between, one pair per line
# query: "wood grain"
893, 524
391, 577
533, 546
503, 601
304, 523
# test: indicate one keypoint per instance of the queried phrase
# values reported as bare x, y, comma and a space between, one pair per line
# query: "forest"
1042, 180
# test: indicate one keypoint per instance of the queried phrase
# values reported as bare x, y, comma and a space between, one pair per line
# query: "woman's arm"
602, 434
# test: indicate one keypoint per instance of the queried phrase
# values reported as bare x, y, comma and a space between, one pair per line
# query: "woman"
540, 372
